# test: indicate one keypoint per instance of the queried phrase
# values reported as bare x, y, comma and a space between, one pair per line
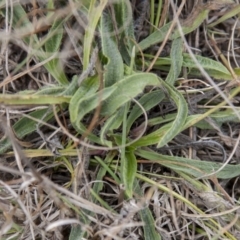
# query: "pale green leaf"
129, 169
55, 90
10, 99
229, 14
112, 123
178, 123
114, 68
148, 101
154, 38
77, 233
176, 61
214, 68
88, 87
146, 217
94, 14
159, 35
71, 88
124, 20
25, 126
54, 37
228, 115
126, 89
89, 102
192, 167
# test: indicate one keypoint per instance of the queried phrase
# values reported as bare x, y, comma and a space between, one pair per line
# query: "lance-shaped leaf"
193, 167
148, 101
128, 171
88, 87
193, 22
170, 131
176, 61
114, 68
127, 89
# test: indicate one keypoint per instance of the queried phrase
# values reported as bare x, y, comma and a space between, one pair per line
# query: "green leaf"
23, 26
98, 185
124, 21
148, 101
25, 126
154, 38
114, 69
159, 35
88, 102
105, 165
170, 131
52, 45
192, 167
129, 169
56, 69
77, 233
55, 90
214, 68
71, 88
228, 14
113, 122
88, 87
10, 99
113, 97
176, 61
228, 115
146, 217
60, 90
220, 117
54, 38
94, 14
160, 120
126, 89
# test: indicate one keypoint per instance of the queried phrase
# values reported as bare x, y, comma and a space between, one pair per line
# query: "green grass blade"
109, 170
